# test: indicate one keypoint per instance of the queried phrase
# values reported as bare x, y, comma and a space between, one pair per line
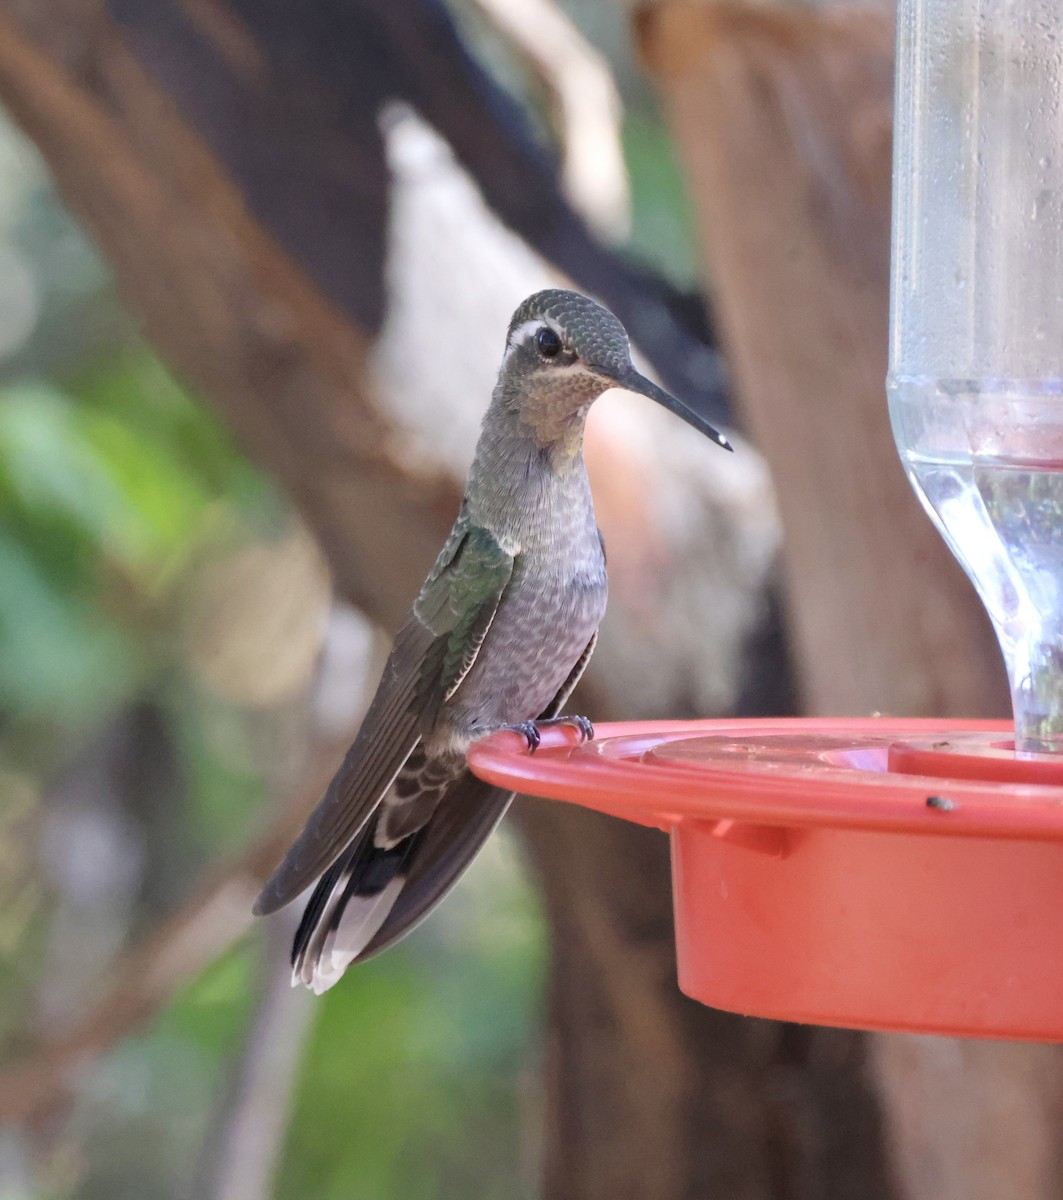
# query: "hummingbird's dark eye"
548, 342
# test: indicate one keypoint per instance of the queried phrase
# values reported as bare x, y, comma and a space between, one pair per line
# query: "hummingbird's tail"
374, 894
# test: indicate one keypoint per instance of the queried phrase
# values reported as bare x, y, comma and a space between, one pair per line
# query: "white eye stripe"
526, 331
523, 334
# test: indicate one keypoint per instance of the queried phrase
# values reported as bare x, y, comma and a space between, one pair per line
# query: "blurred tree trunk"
227, 158
784, 122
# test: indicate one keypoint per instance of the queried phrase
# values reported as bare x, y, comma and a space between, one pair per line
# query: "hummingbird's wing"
433, 652
461, 823
378, 890
553, 709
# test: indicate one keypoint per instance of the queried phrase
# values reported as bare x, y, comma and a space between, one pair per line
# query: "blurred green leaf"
58, 498
135, 389
58, 657
662, 230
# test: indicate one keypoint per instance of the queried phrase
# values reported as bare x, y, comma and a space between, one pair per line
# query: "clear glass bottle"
976, 337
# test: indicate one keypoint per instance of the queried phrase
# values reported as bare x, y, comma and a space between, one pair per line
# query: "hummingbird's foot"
529, 730
582, 725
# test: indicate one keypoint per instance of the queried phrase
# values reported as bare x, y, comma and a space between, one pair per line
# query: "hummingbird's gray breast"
549, 612
541, 629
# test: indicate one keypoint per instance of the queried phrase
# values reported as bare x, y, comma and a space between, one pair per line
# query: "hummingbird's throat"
556, 416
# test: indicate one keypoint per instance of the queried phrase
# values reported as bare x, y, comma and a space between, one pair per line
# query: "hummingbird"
496, 639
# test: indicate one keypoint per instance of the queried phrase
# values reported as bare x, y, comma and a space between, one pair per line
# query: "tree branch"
589, 111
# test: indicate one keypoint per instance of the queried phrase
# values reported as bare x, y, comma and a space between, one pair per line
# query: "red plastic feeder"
881, 874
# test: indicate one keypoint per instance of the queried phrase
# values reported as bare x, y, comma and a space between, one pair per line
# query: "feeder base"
817, 879
931, 935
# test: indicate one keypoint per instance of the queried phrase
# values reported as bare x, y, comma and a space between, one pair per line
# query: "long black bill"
632, 381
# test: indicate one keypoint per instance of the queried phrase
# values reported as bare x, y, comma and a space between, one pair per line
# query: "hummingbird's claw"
586, 729
581, 724
529, 730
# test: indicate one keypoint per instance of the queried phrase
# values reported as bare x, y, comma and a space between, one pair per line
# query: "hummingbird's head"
562, 351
